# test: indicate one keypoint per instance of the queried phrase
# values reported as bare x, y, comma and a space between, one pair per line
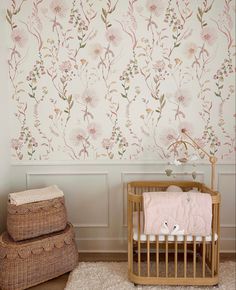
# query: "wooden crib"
171, 259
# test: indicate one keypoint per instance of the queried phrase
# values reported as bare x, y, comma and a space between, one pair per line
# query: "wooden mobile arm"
212, 159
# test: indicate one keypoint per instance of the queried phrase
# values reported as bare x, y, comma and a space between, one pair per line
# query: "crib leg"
135, 284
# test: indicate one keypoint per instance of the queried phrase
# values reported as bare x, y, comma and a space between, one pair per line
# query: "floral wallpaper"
118, 80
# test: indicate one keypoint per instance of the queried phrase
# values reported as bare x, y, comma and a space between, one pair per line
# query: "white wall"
94, 188
4, 124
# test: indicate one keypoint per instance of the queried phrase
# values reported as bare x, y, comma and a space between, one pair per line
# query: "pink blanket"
177, 213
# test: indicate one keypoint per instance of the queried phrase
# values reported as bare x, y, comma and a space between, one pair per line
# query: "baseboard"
121, 256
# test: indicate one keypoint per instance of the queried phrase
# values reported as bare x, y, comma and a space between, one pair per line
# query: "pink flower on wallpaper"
77, 136
89, 98
58, 8
107, 144
94, 130
65, 66
168, 136
187, 126
209, 35
96, 50
113, 36
16, 144
159, 65
190, 49
183, 98
156, 7
19, 36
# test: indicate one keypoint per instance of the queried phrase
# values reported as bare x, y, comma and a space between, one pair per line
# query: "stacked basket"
39, 244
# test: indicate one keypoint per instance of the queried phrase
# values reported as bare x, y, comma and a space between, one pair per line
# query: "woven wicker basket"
35, 219
27, 263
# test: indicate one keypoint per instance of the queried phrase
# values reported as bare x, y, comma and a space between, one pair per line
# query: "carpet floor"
113, 275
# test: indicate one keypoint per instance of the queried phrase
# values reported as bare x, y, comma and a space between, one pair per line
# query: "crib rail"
171, 262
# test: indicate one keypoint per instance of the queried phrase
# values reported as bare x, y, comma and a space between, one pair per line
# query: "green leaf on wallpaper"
113, 9
82, 45
71, 104
20, 91
17, 10
177, 44
103, 19
200, 11
8, 20
32, 96
209, 8
163, 104
124, 96
162, 98
9, 14
198, 17
104, 12
69, 98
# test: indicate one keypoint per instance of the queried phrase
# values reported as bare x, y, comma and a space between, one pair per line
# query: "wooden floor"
60, 282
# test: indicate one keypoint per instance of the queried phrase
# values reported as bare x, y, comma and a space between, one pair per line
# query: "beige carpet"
113, 275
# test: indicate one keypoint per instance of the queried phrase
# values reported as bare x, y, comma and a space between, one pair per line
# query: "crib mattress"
171, 238
161, 238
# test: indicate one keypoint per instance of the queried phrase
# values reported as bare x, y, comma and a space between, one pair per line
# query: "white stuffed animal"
174, 188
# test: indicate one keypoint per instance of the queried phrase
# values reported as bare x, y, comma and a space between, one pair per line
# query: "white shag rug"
113, 275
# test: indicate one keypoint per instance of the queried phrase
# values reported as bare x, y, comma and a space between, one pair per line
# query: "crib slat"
148, 255
194, 257
213, 244
218, 242
185, 256
204, 257
139, 244
157, 256
209, 246
166, 240
130, 243
176, 257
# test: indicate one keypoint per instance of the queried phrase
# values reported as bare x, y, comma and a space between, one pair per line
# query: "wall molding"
228, 226
116, 162
226, 173
106, 174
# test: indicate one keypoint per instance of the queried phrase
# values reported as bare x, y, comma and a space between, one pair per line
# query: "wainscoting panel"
226, 186
86, 194
96, 197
